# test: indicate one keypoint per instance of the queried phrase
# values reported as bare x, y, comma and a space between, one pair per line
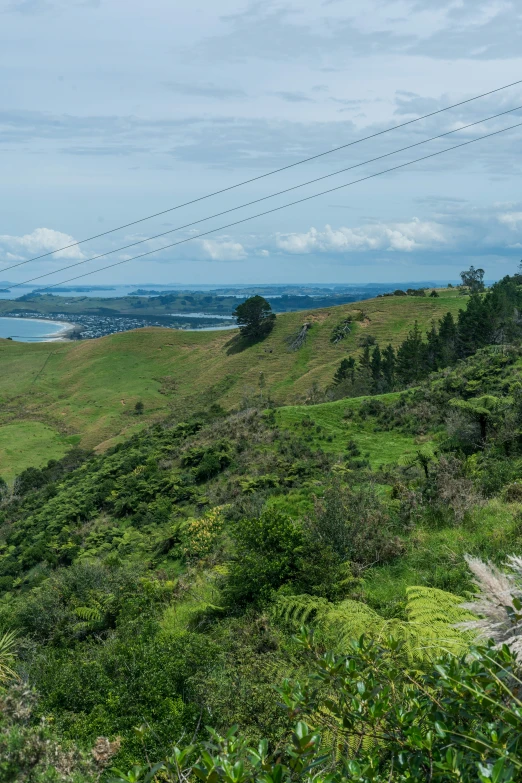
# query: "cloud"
475, 30
278, 33
222, 250
34, 7
293, 97
449, 29
42, 240
406, 237
205, 90
29, 7
511, 219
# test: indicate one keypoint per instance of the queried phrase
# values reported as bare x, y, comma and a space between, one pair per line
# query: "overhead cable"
255, 201
277, 171
285, 206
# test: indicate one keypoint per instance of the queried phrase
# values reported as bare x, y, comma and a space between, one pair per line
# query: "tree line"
490, 318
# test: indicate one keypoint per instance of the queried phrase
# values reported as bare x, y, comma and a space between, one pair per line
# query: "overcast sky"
111, 110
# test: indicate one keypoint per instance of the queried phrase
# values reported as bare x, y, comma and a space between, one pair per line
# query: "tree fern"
429, 628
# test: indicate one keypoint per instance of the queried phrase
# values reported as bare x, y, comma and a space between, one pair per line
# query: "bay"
33, 330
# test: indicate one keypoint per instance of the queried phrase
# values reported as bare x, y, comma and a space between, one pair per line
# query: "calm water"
31, 330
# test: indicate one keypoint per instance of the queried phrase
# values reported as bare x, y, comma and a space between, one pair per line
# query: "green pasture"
89, 388
27, 444
337, 428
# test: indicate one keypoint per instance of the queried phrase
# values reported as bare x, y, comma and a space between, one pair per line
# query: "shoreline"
67, 328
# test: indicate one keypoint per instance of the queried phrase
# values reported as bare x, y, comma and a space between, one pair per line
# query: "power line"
255, 201
285, 206
277, 171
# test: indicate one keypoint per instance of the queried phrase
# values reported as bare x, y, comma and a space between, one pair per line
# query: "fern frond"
7, 657
90, 614
299, 610
349, 620
433, 619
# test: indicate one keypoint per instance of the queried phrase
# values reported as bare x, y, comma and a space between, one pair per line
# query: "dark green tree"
388, 368
447, 340
432, 349
376, 370
434, 293
139, 408
411, 363
345, 371
255, 318
268, 555
474, 327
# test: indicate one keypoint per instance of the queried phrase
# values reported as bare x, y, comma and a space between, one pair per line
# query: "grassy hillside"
89, 389
160, 582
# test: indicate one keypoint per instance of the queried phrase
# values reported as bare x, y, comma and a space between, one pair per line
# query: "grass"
90, 388
381, 448
27, 444
434, 556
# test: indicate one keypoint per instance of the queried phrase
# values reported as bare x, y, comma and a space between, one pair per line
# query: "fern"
91, 614
298, 610
429, 628
7, 657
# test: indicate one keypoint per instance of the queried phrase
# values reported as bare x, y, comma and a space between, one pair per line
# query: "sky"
113, 110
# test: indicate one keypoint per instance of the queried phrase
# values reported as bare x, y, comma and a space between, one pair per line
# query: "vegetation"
87, 390
255, 318
355, 551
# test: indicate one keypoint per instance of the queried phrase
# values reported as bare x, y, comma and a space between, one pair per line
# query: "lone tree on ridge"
255, 318
473, 279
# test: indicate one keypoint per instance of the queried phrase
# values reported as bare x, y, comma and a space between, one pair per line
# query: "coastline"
66, 328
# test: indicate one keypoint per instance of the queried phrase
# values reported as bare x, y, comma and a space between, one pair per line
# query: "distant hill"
53, 395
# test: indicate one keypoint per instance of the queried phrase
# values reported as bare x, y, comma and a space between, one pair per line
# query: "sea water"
32, 330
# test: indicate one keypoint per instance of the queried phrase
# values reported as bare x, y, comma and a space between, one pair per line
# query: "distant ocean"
32, 330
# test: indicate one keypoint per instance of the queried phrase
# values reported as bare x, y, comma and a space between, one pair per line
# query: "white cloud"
42, 240
414, 235
511, 219
219, 250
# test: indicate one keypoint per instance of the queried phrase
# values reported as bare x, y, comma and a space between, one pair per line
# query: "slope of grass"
332, 430
30, 444
90, 388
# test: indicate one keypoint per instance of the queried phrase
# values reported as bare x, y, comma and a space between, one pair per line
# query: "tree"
434, 293
473, 279
139, 408
267, 556
255, 318
475, 327
388, 368
365, 717
376, 370
411, 357
447, 340
483, 410
345, 371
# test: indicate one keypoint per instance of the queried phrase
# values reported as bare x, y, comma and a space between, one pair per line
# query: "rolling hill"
54, 395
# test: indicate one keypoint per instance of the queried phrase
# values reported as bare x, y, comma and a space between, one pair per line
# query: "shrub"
30, 751
364, 717
267, 556
354, 524
513, 492
200, 535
